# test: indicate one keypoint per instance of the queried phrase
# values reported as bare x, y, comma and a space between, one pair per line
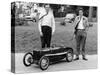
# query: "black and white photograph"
48, 37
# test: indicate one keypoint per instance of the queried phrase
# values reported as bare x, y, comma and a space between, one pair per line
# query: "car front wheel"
69, 56
44, 62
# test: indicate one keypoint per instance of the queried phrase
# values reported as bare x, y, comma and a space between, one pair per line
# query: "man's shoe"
85, 59
76, 59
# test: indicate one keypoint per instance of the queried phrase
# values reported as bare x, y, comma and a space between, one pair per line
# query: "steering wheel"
53, 45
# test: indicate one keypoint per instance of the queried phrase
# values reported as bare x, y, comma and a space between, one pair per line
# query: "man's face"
47, 7
80, 12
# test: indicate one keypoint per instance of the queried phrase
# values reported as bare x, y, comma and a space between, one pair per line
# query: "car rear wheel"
44, 62
28, 59
69, 55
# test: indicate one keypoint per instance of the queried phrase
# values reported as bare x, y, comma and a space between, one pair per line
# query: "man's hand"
41, 33
52, 33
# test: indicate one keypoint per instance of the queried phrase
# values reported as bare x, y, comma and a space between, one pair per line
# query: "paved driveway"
60, 66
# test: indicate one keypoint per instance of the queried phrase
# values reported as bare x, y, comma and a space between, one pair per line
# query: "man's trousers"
80, 42
46, 36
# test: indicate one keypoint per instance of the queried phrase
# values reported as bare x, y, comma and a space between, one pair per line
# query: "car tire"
44, 63
28, 59
69, 55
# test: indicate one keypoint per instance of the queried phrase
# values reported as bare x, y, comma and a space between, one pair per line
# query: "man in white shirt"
81, 27
46, 26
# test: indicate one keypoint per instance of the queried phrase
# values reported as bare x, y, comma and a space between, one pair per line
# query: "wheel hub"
44, 62
70, 56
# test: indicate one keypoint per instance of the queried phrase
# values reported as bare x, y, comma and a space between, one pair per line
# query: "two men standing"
47, 28
81, 27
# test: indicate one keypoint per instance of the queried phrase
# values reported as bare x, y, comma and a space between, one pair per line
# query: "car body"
69, 18
45, 57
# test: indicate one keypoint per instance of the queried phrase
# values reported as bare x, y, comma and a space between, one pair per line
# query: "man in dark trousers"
46, 26
81, 27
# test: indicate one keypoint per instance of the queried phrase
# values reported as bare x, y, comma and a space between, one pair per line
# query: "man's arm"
75, 21
39, 22
39, 26
87, 24
74, 28
53, 24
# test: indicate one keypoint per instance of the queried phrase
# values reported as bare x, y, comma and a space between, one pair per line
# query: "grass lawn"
27, 38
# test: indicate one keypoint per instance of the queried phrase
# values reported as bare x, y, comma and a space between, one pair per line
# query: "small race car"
45, 57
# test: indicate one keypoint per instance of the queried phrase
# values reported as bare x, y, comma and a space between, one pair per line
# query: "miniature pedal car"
44, 57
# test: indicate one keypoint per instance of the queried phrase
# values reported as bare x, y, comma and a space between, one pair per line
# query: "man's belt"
81, 29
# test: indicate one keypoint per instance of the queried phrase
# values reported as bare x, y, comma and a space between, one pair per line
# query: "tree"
90, 13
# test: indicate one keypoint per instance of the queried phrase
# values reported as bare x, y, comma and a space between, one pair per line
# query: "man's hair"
41, 4
46, 5
80, 9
